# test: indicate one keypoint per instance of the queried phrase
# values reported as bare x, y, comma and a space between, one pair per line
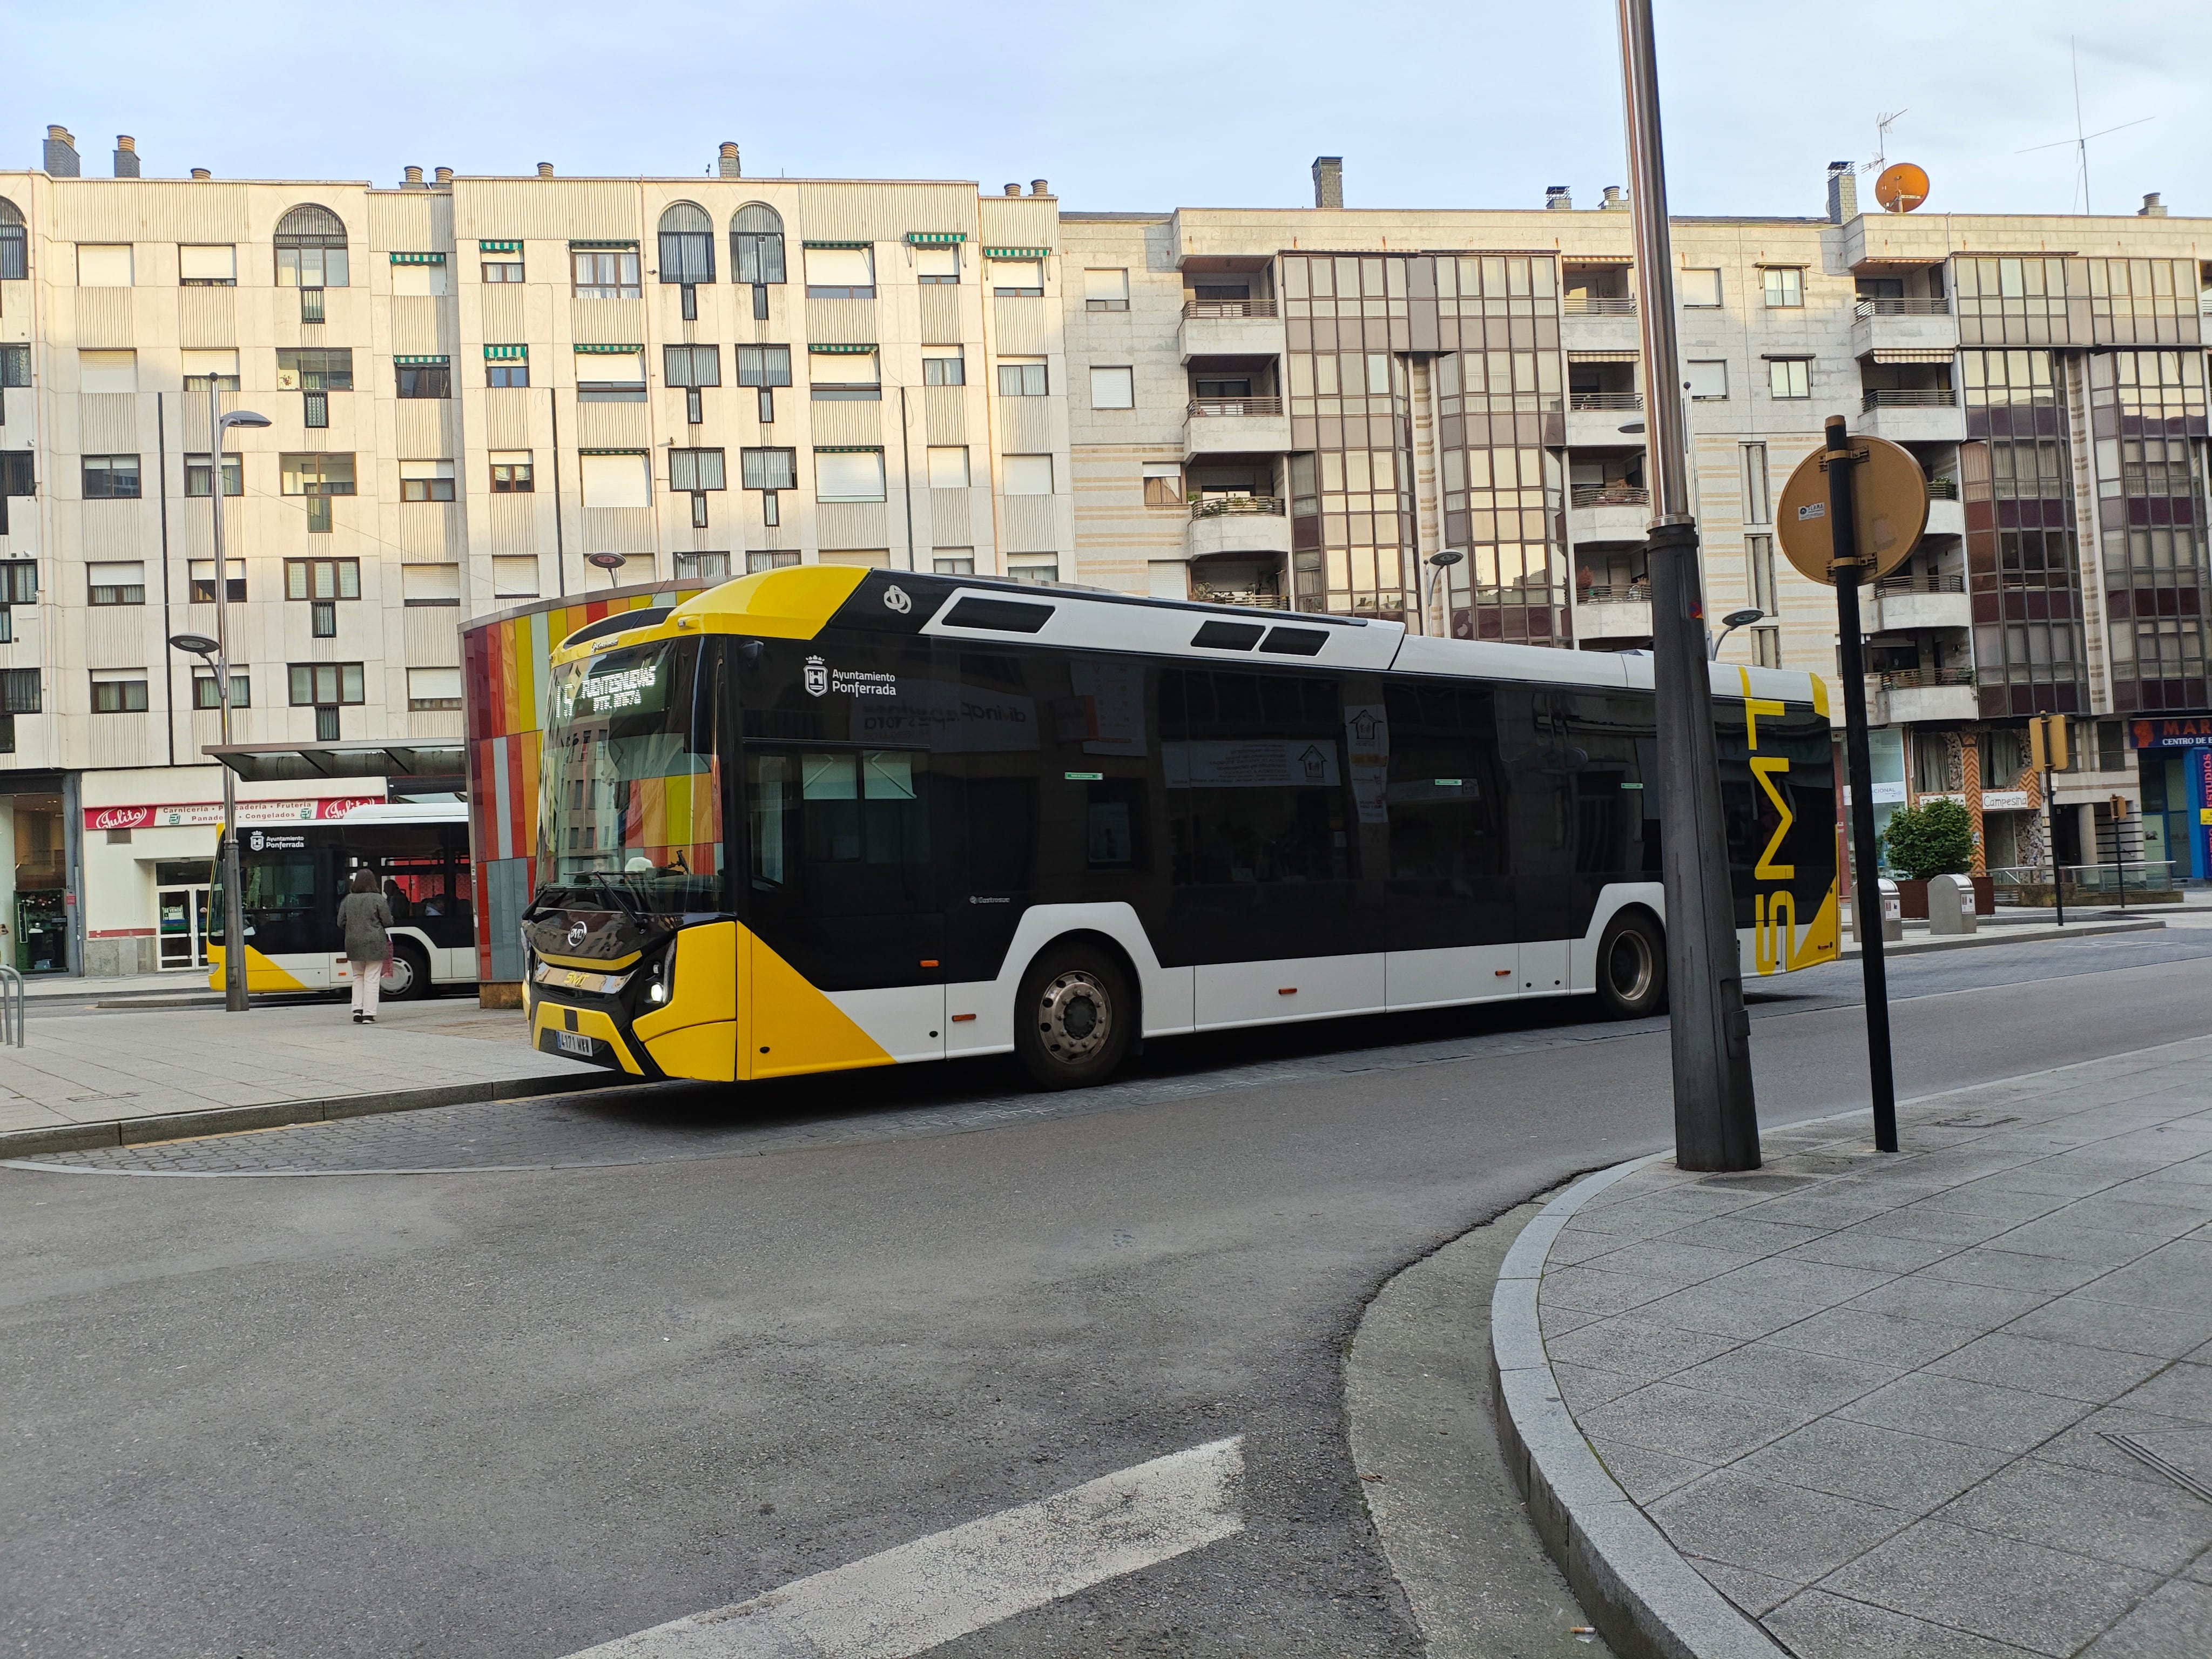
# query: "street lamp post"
1729, 624
234, 898
1441, 562
609, 563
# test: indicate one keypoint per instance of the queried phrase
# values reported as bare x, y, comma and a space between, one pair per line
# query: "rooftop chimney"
445, 176
61, 154
1013, 190
2152, 207
1842, 192
1038, 187
1328, 181
413, 181
1613, 201
201, 173
727, 161
126, 156
1556, 198
545, 169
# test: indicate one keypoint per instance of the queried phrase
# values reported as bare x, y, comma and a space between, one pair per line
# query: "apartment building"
488, 390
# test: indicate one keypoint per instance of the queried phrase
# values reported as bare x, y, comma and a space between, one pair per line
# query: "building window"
14, 371
944, 365
948, 466
16, 479
766, 560
1027, 475
1759, 562
841, 271
1040, 569
756, 245
234, 474
207, 267
434, 690
316, 474
954, 561
1105, 290
117, 582
111, 477
311, 248
14, 244
1707, 378
103, 264
501, 261
765, 367
611, 375
424, 377
20, 692
848, 475
514, 576
615, 478
1700, 287
199, 580
694, 472
846, 375
426, 481
418, 276
1784, 286
935, 265
108, 371
1791, 377
511, 473
605, 273
506, 366
700, 365
325, 683
1016, 279
771, 472
1766, 646
1113, 388
1757, 506
702, 566
687, 245
314, 369
1021, 377
19, 581
206, 696
1163, 484
118, 691
202, 365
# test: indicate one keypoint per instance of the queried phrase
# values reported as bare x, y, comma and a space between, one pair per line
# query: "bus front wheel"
407, 975
1631, 967
1073, 1019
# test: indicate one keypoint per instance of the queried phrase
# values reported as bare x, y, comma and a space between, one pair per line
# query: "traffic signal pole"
1716, 1114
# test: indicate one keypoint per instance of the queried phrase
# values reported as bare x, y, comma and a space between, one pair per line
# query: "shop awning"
423, 767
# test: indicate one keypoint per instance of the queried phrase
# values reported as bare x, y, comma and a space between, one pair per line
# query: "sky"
1128, 105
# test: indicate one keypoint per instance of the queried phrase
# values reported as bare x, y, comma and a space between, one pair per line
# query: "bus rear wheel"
407, 975
1073, 1019
1631, 967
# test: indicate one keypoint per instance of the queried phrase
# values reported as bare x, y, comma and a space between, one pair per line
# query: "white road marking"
918, 1596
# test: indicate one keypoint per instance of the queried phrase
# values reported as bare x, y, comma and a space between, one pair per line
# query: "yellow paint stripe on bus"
794, 1028
261, 973
792, 604
1820, 695
1822, 937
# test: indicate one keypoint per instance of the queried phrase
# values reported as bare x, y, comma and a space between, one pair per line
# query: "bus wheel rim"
1075, 1017
1634, 985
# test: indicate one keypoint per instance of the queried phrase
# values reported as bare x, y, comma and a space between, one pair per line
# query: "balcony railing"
1918, 584
1635, 592
1222, 506
1599, 305
1941, 489
1929, 397
1610, 494
1215, 309
1938, 307
1212, 408
1921, 679
1244, 597
1605, 400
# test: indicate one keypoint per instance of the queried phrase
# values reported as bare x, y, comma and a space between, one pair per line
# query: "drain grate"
2150, 1457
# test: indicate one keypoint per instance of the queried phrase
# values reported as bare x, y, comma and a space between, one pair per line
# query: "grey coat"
365, 916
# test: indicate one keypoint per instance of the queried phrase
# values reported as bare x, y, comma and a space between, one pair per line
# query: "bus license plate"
573, 1043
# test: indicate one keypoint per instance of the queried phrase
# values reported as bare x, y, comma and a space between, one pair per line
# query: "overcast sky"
1135, 105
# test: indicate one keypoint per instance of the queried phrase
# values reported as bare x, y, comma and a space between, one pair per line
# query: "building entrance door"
183, 913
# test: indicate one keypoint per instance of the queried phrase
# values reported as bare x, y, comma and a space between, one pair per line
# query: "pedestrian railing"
12, 1007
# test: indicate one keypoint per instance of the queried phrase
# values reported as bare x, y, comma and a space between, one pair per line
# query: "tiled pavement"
1872, 1399
94, 1067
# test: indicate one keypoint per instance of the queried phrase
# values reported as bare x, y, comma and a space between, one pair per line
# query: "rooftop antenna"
1882, 124
2080, 142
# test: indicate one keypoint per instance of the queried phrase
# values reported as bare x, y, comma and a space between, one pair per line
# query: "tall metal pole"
1866, 860
234, 899
1716, 1114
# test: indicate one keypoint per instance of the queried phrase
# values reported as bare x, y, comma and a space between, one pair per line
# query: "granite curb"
2005, 934
277, 1114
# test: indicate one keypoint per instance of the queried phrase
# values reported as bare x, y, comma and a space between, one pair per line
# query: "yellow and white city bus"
823, 818
293, 876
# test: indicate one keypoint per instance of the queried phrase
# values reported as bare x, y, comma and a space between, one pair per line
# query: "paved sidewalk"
195, 1070
1955, 1402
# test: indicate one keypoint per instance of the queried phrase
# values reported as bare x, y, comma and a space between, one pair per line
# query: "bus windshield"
630, 803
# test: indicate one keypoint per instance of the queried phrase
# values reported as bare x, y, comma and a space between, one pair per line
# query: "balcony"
1235, 426
1238, 524
1608, 512
1598, 323
1230, 328
1946, 516
1910, 602
1619, 611
1909, 696
1903, 325
1595, 420
1929, 416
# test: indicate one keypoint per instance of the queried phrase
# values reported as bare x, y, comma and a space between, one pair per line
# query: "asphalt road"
597, 1365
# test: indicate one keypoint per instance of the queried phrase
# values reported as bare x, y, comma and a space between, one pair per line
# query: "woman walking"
364, 916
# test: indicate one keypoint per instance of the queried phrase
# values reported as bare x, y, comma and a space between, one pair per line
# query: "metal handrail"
1885, 306
1599, 305
1610, 495
1921, 679
1900, 398
1216, 506
12, 1011
1940, 584
1216, 407
1228, 308
1605, 400
1245, 599
1635, 593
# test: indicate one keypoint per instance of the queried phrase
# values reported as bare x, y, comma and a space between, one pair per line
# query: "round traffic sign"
1889, 509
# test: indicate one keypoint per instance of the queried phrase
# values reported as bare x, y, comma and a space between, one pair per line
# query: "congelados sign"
208, 813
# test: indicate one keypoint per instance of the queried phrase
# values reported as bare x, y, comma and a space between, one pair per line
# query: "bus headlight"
663, 974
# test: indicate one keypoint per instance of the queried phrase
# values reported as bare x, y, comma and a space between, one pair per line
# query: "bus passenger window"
1114, 815
767, 786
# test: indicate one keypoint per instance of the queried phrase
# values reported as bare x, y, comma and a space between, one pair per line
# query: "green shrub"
1936, 839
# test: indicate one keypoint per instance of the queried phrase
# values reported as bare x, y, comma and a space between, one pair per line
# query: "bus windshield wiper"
610, 882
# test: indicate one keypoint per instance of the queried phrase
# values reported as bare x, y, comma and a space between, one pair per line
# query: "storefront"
40, 873
2173, 765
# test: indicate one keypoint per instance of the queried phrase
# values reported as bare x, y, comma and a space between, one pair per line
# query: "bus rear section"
819, 819
295, 874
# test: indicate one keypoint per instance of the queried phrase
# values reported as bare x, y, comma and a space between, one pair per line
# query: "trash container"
1893, 912
1950, 904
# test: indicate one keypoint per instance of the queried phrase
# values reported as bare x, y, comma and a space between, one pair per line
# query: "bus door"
843, 887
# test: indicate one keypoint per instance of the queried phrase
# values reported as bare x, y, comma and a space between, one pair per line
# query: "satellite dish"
1901, 188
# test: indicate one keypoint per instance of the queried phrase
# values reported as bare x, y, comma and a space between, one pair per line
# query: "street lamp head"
242, 417
1740, 618
1445, 559
197, 645
607, 561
